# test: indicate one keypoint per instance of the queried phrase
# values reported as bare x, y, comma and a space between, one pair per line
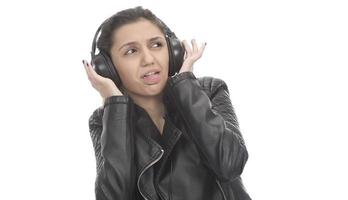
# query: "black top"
152, 131
149, 128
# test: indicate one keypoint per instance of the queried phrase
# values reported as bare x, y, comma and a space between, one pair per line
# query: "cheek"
127, 72
164, 60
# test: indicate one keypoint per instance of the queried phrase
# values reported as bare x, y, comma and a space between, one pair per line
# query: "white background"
284, 62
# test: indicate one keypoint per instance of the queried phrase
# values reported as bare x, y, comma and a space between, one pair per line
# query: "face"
140, 55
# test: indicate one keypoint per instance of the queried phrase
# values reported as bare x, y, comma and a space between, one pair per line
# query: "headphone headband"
94, 44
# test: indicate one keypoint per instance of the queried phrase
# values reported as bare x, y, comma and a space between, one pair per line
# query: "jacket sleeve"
211, 124
113, 145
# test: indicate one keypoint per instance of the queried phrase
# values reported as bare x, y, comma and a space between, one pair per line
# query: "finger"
199, 53
93, 76
91, 70
201, 50
194, 45
187, 48
84, 62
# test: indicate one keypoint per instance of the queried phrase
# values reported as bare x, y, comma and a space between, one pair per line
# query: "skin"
132, 61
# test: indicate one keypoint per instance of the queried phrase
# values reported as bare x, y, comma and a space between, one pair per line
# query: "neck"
154, 106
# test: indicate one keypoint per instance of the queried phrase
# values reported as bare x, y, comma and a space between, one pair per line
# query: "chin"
148, 90
153, 90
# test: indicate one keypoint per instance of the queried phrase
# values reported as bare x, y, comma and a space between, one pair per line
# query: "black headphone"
104, 66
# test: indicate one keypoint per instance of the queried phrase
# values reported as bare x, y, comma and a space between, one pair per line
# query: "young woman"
161, 133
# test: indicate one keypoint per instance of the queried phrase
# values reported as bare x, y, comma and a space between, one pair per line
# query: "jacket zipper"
222, 192
147, 167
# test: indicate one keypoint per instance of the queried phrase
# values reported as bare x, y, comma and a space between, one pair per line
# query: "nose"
148, 58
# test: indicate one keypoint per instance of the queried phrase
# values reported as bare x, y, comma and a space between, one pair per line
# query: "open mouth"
150, 74
152, 78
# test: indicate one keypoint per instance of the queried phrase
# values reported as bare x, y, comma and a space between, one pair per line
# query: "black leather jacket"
203, 156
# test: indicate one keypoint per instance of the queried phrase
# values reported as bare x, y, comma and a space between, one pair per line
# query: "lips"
151, 77
150, 72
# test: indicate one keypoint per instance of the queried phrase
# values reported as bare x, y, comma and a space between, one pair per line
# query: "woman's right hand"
105, 86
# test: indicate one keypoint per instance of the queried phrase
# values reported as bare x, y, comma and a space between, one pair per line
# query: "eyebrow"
130, 43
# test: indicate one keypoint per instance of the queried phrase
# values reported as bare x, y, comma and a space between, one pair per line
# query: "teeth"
150, 73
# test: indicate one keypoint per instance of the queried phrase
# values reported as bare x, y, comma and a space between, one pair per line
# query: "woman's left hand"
192, 55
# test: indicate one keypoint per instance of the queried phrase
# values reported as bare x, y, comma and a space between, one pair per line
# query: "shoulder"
95, 120
211, 85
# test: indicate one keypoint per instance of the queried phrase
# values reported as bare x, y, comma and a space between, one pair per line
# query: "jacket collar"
147, 149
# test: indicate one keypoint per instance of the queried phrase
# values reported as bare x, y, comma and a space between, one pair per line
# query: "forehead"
137, 31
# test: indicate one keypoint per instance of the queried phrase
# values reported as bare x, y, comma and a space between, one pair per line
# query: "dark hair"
121, 18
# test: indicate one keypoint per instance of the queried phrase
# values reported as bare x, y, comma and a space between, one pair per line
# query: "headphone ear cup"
176, 54
104, 67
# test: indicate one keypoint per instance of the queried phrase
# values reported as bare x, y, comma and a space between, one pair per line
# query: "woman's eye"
130, 51
157, 44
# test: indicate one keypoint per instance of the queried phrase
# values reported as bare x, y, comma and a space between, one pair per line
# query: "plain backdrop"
285, 63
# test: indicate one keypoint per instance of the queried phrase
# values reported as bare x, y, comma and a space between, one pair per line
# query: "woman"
161, 133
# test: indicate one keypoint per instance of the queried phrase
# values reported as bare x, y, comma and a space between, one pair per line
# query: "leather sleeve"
113, 145
211, 124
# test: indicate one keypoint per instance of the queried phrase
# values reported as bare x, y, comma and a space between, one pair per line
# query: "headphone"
104, 66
